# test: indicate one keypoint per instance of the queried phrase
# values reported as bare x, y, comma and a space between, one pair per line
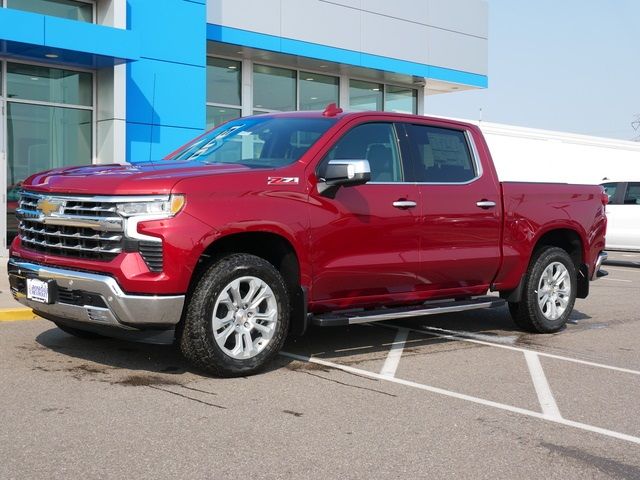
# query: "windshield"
256, 142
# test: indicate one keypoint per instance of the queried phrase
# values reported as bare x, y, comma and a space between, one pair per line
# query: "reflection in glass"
40, 138
70, 9
44, 84
401, 100
218, 115
365, 95
224, 81
317, 91
274, 88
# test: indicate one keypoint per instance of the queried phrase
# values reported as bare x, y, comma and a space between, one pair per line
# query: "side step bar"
351, 317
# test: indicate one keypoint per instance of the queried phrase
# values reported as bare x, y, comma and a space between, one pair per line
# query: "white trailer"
532, 155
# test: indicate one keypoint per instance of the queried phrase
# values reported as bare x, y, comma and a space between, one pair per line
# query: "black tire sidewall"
543, 260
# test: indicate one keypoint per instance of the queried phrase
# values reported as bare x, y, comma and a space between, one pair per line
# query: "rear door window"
442, 155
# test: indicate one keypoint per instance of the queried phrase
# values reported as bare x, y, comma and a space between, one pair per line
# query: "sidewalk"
10, 309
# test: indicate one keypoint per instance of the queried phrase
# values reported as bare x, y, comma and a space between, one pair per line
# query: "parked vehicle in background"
623, 214
270, 222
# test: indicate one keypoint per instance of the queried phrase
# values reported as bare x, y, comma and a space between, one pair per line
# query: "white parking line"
469, 398
453, 335
617, 280
393, 358
540, 383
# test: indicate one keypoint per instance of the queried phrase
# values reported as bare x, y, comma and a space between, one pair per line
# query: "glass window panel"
257, 141
633, 194
365, 95
40, 138
224, 81
219, 115
610, 189
401, 100
58, 8
274, 88
444, 156
375, 142
44, 84
317, 91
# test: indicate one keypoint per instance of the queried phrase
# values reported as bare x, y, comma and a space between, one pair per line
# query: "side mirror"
343, 173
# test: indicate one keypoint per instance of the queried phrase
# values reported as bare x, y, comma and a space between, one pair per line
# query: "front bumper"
597, 272
94, 299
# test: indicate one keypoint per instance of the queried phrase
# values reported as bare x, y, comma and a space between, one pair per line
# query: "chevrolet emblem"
48, 206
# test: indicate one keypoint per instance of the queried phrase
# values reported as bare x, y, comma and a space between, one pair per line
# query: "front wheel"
237, 318
549, 292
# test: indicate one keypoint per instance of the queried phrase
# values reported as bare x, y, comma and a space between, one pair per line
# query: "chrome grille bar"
67, 225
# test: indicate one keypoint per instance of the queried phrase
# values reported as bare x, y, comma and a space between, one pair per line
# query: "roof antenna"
331, 110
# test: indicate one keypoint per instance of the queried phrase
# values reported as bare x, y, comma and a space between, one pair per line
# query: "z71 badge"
283, 180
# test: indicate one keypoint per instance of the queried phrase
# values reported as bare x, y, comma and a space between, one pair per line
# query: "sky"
568, 65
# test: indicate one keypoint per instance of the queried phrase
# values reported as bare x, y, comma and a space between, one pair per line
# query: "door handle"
486, 204
404, 204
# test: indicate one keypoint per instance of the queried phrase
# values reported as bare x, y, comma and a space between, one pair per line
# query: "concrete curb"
16, 314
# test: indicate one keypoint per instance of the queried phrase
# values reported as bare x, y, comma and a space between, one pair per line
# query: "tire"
76, 332
227, 331
534, 312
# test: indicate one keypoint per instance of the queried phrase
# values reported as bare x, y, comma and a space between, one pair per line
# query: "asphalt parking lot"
454, 396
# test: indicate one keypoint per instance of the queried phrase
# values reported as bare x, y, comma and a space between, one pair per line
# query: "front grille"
81, 227
152, 254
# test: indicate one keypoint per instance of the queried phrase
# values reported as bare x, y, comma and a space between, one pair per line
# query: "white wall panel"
446, 33
323, 23
395, 38
462, 16
458, 52
262, 16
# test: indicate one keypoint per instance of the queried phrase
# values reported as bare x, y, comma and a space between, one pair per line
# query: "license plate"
37, 290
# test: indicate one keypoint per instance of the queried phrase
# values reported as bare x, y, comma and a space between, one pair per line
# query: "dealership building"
102, 81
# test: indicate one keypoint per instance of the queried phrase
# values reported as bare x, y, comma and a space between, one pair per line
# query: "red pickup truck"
269, 223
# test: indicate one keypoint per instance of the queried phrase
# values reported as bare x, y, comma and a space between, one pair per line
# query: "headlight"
160, 208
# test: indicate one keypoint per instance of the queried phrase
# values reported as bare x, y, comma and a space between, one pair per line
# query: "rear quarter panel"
533, 209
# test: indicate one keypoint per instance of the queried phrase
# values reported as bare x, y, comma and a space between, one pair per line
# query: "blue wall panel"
166, 88
21, 26
147, 142
31, 36
165, 93
87, 37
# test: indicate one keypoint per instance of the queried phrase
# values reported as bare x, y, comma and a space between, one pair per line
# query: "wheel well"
276, 250
566, 239
569, 241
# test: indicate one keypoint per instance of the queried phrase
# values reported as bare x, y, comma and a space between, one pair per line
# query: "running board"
351, 317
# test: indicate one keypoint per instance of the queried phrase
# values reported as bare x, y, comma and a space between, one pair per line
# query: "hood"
116, 179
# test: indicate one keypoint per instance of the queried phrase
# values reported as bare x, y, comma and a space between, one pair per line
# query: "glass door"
3, 180
49, 124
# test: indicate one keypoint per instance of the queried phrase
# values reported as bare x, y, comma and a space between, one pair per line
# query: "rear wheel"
549, 292
237, 318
